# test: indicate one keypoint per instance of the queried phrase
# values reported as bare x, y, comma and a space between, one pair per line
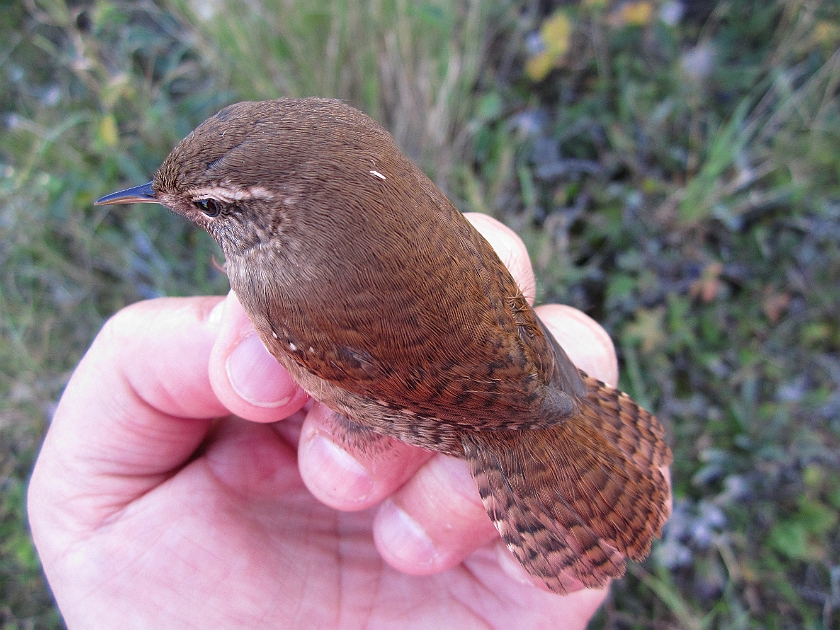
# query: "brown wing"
440, 330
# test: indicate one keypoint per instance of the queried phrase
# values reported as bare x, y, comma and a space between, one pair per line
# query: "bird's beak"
138, 194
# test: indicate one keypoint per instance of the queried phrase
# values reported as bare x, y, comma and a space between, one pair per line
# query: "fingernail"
257, 377
335, 472
214, 318
403, 536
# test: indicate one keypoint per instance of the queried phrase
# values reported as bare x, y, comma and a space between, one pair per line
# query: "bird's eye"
210, 207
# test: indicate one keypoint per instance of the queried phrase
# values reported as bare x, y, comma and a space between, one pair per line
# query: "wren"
384, 303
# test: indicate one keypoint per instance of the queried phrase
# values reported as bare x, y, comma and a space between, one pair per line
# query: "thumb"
245, 377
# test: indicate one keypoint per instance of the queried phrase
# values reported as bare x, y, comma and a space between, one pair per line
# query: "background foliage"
673, 167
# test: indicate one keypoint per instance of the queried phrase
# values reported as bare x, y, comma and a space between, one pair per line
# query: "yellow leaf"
555, 33
538, 66
826, 33
555, 36
108, 131
637, 13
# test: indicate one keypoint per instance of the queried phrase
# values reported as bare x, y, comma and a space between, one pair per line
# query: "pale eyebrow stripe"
230, 194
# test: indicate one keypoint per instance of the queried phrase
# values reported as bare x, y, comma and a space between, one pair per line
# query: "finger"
137, 406
577, 607
352, 474
245, 377
255, 462
437, 518
434, 521
510, 249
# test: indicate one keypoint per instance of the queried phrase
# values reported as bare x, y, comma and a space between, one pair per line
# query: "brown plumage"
384, 303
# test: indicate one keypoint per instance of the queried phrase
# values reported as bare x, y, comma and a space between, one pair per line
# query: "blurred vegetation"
673, 167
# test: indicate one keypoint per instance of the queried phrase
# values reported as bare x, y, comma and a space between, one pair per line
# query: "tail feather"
577, 498
630, 428
544, 533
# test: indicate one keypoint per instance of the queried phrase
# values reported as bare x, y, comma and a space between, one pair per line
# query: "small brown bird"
384, 303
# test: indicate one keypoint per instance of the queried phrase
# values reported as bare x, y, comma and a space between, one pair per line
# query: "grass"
676, 176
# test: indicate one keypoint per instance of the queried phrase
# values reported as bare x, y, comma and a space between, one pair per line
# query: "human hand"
153, 505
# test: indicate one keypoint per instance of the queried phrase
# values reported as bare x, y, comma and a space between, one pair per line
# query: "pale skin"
184, 484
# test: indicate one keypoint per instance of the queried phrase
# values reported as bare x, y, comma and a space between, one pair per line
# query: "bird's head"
256, 169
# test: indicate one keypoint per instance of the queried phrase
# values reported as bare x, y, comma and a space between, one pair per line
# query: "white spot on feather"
378, 174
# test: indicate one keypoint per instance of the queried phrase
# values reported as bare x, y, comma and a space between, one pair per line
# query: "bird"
384, 303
